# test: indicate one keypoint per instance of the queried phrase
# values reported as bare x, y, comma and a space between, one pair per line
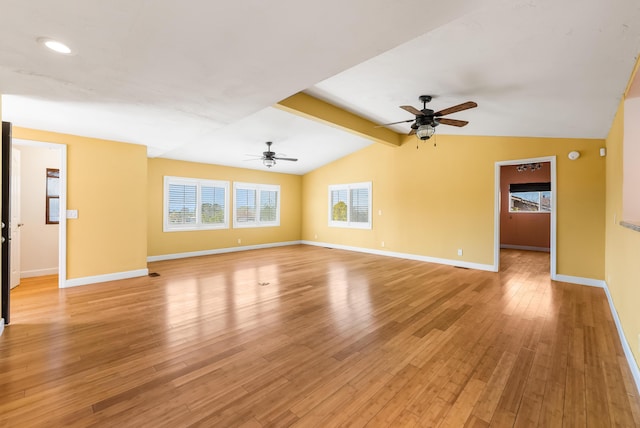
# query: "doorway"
43, 242
551, 207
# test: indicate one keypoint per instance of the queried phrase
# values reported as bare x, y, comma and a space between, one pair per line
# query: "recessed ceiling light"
55, 45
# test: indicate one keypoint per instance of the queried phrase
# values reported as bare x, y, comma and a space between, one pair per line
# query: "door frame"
62, 226
554, 204
14, 226
5, 278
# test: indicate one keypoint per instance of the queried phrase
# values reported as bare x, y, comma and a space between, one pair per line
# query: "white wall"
39, 241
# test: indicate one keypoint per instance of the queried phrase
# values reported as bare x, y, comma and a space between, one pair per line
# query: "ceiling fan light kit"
533, 167
424, 132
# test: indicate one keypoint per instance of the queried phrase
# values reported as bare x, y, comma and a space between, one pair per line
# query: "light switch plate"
72, 214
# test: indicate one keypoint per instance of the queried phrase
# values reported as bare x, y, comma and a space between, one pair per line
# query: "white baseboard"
1, 326
525, 247
457, 263
104, 278
219, 251
580, 281
38, 272
635, 371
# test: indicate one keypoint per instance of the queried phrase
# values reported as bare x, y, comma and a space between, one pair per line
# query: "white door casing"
62, 229
554, 202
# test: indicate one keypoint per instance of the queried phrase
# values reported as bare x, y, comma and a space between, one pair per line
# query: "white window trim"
348, 224
166, 227
257, 188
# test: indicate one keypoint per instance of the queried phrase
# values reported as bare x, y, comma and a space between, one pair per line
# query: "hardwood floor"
306, 336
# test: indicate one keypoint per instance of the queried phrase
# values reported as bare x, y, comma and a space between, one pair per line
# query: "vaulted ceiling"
203, 81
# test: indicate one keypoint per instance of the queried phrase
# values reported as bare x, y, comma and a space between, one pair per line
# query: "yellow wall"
622, 244
107, 184
162, 243
435, 200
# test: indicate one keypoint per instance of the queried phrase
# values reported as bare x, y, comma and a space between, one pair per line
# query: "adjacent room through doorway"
39, 209
525, 206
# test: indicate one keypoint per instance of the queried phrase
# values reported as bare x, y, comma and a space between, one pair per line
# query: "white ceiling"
196, 81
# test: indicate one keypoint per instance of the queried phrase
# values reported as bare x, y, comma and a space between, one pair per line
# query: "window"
52, 204
256, 205
350, 205
631, 153
192, 204
530, 197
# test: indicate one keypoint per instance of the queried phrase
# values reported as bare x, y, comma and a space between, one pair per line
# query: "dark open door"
4, 256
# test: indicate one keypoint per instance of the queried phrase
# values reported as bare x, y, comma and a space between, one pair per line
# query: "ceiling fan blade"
452, 122
287, 159
394, 123
459, 107
413, 131
412, 110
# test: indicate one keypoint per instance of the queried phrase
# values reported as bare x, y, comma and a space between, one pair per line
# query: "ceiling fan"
426, 119
269, 158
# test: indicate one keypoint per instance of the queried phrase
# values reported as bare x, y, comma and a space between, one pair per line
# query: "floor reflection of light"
256, 288
526, 296
181, 297
349, 297
226, 300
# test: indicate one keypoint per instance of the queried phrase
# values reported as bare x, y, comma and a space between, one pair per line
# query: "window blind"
256, 205
245, 205
268, 205
195, 204
339, 205
182, 203
529, 187
212, 205
350, 205
359, 209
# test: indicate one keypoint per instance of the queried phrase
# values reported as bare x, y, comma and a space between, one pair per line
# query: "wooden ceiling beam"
312, 108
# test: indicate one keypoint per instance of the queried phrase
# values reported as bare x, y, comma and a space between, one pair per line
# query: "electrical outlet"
459, 251
239, 240
382, 244
315, 236
379, 212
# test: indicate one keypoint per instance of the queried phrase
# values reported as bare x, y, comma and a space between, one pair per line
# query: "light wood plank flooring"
306, 336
